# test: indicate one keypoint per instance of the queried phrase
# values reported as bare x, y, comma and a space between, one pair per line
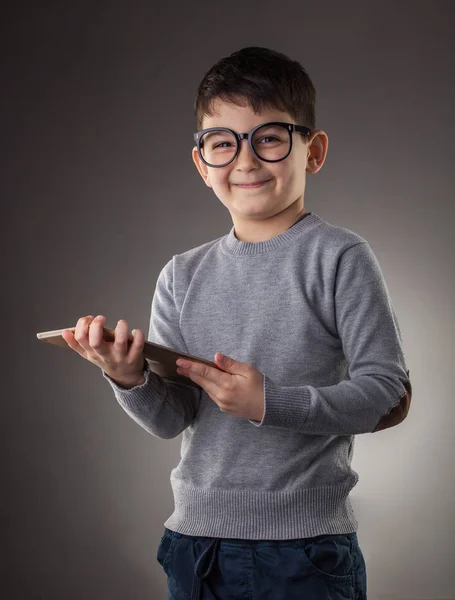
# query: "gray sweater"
310, 309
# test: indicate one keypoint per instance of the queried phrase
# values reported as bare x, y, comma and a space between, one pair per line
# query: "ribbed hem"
231, 245
259, 515
285, 406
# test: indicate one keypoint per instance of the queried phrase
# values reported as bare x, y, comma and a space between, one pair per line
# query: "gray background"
99, 191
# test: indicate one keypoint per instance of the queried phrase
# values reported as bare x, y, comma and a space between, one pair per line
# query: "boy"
314, 356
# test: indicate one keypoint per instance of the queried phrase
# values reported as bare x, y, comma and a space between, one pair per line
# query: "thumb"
227, 363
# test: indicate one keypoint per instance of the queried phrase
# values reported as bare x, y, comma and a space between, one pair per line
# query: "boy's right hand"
125, 366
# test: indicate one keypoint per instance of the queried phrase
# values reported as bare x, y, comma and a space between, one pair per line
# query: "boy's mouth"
252, 185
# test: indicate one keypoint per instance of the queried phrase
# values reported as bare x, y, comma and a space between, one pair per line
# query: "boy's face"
262, 212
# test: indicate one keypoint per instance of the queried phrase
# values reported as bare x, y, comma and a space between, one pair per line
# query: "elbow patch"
399, 412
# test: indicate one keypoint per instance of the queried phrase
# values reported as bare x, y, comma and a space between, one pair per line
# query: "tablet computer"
160, 358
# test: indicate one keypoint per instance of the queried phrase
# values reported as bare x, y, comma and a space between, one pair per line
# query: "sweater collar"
231, 245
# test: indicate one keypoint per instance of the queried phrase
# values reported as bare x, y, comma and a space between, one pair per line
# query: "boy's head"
248, 88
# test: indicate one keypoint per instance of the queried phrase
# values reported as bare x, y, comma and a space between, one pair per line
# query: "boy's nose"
245, 157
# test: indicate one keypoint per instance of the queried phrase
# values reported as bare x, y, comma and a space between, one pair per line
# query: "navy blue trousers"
324, 567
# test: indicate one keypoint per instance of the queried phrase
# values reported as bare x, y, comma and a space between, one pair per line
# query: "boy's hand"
238, 390
123, 364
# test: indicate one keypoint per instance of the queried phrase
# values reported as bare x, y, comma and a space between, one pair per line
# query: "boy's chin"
253, 211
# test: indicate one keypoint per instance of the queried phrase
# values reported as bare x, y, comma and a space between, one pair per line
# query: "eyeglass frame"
290, 127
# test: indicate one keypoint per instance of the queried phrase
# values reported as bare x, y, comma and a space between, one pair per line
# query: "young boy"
314, 354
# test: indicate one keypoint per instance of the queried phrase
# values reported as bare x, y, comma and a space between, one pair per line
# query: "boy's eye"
221, 144
269, 137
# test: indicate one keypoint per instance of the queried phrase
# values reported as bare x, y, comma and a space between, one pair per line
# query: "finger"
120, 346
96, 336
136, 347
81, 333
220, 378
210, 387
69, 338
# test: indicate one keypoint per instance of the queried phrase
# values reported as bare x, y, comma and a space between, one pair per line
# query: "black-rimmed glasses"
270, 142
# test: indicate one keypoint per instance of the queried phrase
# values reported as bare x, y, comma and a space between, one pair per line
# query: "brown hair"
260, 78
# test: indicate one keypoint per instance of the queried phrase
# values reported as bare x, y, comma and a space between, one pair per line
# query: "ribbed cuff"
139, 396
285, 406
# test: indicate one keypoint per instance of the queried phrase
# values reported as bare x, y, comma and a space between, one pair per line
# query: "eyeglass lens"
271, 142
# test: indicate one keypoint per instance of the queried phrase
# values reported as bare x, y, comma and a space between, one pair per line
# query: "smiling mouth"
252, 185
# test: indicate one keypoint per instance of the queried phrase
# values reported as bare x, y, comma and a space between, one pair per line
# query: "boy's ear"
317, 151
201, 167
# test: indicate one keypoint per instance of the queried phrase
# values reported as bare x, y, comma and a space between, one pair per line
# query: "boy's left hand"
238, 389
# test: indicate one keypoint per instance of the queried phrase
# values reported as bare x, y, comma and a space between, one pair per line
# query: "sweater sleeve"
377, 394
162, 407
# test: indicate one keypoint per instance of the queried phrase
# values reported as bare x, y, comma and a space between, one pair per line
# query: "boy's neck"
260, 231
